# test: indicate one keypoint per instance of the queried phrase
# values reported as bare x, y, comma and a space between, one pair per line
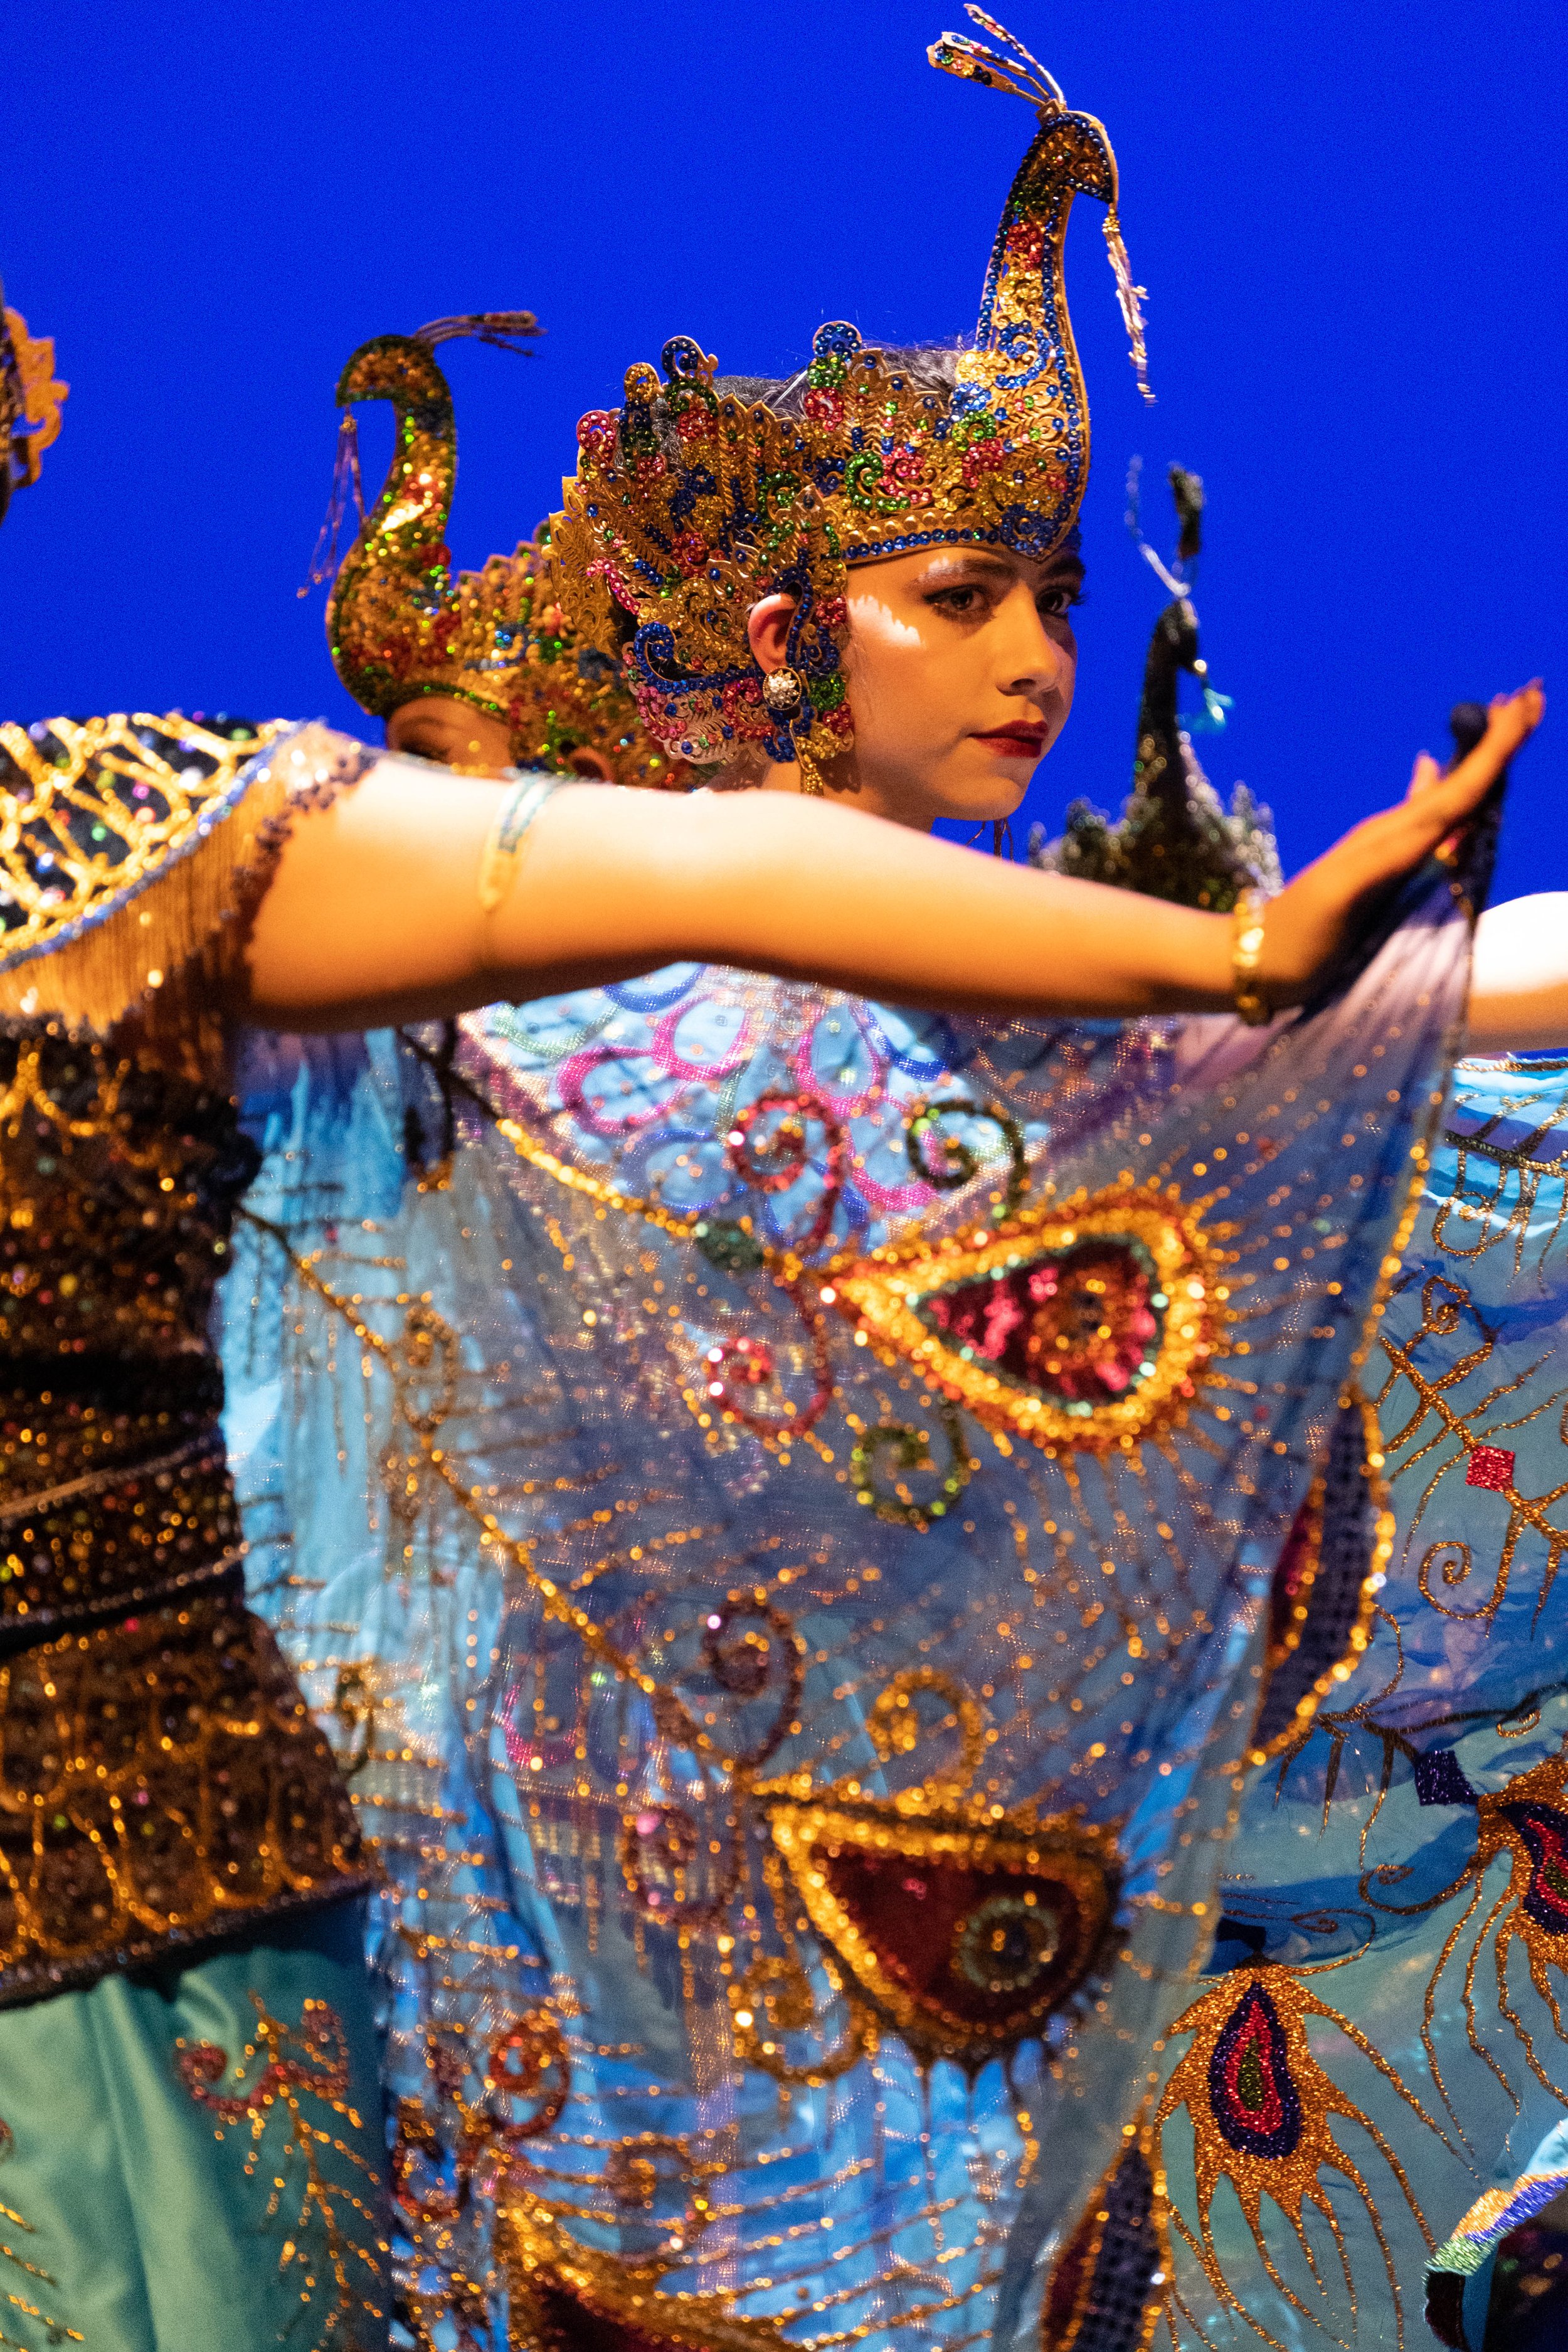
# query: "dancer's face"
445, 728
960, 667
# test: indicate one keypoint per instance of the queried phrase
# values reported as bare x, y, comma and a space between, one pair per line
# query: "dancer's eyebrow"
966, 563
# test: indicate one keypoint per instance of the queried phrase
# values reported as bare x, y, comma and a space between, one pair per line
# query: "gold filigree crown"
401, 626
689, 504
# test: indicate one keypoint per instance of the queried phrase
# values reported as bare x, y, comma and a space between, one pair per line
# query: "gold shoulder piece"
98, 814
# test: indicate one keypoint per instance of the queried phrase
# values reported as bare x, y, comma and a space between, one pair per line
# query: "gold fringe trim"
178, 878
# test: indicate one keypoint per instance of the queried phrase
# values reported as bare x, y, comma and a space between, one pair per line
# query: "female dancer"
739, 1180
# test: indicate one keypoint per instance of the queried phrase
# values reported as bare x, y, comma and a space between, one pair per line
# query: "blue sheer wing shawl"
1400, 1858
821, 1466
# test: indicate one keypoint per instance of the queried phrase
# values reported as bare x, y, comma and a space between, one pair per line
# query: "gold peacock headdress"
400, 626
689, 503
30, 401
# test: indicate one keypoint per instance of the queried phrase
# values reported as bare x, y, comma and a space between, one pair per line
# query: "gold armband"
507, 838
1247, 953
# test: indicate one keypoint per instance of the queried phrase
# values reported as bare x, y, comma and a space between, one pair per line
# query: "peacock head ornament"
402, 627
692, 502
30, 403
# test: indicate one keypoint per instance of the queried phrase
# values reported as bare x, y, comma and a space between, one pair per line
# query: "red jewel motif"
964, 1936
982, 458
1491, 1466
1077, 1326
1087, 1325
1026, 243
573, 2324
571, 2297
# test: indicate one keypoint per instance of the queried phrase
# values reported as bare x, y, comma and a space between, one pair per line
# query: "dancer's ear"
767, 628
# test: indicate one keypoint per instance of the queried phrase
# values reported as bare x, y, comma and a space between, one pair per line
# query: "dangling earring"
783, 690
1002, 838
810, 774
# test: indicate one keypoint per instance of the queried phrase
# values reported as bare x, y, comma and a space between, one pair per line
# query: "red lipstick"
1021, 740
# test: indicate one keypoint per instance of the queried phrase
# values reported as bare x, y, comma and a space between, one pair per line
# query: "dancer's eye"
964, 601
1057, 601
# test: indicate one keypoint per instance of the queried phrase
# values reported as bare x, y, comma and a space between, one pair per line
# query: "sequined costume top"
160, 1780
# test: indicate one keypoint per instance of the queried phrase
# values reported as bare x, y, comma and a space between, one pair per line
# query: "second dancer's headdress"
692, 503
400, 626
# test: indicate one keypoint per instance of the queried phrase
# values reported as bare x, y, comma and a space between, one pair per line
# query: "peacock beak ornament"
400, 625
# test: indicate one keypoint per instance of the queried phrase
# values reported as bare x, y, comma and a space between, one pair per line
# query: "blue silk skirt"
195, 2156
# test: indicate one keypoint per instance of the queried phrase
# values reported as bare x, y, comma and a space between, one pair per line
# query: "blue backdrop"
1350, 220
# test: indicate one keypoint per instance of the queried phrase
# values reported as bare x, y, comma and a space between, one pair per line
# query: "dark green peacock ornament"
1174, 838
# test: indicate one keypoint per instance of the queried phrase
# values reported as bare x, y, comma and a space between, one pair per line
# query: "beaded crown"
689, 503
30, 401
400, 625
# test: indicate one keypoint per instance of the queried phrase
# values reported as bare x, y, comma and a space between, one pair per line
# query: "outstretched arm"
373, 914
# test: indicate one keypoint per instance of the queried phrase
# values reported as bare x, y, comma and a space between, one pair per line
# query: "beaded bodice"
117, 1185
118, 1182
160, 1781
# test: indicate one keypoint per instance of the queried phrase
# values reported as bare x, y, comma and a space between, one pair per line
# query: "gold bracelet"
1245, 955
505, 842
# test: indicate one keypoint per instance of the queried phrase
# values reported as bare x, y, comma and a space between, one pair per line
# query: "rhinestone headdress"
30, 401
400, 626
689, 504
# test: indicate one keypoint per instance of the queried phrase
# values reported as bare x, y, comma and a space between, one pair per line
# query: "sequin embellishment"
1107, 2287
1084, 1325
1262, 2113
321, 2193
1525, 1823
689, 504
400, 626
567, 2297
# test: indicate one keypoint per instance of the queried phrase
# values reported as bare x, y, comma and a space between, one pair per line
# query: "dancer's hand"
1313, 920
